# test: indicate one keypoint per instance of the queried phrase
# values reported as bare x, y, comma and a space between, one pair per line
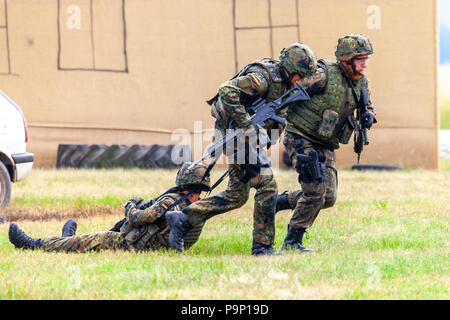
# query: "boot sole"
65, 232
12, 232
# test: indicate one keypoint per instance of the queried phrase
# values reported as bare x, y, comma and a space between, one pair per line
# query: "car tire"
5, 186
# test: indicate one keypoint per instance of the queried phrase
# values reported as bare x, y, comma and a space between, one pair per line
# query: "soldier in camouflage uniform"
143, 229
264, 78
318, 126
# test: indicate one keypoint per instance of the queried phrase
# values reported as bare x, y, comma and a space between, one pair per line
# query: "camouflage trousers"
313, 196
235, 196
106, 240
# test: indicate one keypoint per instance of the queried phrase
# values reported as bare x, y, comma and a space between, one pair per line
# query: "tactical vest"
153, 235
323, 118
276, 84
156, 235
270, 69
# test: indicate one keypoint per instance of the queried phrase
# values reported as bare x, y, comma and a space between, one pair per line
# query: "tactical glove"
144, 204
129, 206
257, 130
136, 200
249, 172
367, 120
256, 134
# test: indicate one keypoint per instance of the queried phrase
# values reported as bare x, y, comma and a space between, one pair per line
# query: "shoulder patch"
258, 78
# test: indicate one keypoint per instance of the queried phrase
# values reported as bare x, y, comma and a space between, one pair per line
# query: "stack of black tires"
122, 156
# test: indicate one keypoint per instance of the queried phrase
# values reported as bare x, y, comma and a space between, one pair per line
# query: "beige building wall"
133, 71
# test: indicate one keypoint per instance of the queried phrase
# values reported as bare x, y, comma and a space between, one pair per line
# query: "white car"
15, 162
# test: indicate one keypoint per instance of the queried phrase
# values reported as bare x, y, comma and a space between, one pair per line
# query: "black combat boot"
294, 240
282, 202
260, 249
21, 240
179, 228
69, 228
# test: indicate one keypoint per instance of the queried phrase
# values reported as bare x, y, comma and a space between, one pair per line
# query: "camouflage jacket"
325, 118
149, 229
260, 78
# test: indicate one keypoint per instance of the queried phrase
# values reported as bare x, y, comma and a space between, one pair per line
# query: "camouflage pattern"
299, 58
148, 231
259, 79
235, 196
321, 124
193, 176
330, 98
106, 240
351, 46
313, 196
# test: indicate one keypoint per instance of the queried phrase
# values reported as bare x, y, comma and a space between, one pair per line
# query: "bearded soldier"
143, 229
316, 127
268, 79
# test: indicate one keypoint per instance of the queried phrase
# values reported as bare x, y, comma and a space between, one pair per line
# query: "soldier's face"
296, 78
361, 63
194, 197
357, 66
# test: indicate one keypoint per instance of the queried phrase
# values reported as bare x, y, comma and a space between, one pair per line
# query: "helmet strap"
355, 72
285, 75
291, 76
351, 72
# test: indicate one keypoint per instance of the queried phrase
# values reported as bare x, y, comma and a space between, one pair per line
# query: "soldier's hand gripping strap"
142, 205
118, 225
250, 171
310, 169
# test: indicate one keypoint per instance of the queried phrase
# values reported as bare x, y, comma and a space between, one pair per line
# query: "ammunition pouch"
309, 167
329, 120
347, 130
145, 236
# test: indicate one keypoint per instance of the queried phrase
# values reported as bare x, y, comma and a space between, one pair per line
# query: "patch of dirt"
42, 214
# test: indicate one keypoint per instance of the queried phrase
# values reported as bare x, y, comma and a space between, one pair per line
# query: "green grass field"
444, 96
386, 238
444, 109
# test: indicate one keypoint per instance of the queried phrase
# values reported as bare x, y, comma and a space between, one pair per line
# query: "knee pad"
330, 201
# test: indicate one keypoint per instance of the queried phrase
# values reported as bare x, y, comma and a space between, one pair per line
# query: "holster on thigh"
310, 167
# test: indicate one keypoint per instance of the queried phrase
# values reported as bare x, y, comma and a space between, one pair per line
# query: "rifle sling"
355, 97
219, 181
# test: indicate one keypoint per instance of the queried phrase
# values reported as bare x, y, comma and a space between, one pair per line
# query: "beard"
349, 68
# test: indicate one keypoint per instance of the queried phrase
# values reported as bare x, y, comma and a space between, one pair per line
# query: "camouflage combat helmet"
193, 176
352, 45
299, 58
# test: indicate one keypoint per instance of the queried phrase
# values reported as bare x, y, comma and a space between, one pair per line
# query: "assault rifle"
360, 139
260, 111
